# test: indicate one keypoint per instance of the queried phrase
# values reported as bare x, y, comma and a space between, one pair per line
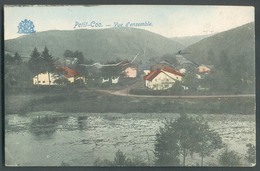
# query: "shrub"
251, 153
229, 158
120, 159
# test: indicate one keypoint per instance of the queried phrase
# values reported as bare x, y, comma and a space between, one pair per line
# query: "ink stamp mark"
26, 27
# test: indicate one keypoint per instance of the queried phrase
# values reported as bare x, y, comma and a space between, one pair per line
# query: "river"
78, 139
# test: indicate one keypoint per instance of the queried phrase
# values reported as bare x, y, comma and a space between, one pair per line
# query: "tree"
48, 62
121, 159
190, 80
34, 61
177, 88
68, 53
79, 56
223, 73
111, 71
9, 59
224, 63
208, 140
17, 58
229, 158
211, 57
166, 148
183, 137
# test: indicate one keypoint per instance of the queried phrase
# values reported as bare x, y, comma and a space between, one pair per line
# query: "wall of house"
131, 72
73, 79
203, 69
146, 72
160, 82
43, 79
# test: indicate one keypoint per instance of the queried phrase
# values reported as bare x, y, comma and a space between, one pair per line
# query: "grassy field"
92, 101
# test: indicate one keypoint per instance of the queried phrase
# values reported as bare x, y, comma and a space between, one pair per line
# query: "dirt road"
125, 92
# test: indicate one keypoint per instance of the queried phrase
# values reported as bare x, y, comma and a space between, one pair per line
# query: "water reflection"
82, 125
44, 125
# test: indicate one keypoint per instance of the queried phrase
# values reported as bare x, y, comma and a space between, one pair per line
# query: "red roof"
68, 72
171, 70
154, 73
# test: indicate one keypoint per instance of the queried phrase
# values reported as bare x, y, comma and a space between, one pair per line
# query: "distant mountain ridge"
189, 40
99, 45
235, 42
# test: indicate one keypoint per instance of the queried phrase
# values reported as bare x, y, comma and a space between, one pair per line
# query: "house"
115, 80
71, 74
130, 72
204, 69
49, 78
162, 79
45, 78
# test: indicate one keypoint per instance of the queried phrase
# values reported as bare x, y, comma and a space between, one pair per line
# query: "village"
157, 75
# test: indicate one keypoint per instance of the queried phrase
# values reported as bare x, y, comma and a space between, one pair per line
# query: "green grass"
95, 102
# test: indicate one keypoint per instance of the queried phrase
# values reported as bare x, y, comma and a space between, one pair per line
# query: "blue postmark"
26, 27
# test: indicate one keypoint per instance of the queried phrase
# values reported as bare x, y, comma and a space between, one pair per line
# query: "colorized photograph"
129, 85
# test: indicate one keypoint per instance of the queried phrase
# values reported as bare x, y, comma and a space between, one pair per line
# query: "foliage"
34, 62
211, 57
111, 71
166, 149
177, 88
79, 56
120, 159
183, 137
229, 158
190, 80
17, 77
251, 153
41, 62
16, 59
62, 81
48, 62
169, 58
208, 140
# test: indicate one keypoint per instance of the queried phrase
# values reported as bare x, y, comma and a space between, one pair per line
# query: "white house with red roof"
49, 78
162, 79
45, 78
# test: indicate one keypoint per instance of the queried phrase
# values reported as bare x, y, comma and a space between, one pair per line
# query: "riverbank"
102, 102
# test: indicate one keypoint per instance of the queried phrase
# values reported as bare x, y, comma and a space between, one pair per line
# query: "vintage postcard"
129, 85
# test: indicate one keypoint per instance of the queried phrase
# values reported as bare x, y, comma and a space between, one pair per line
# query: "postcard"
129, 85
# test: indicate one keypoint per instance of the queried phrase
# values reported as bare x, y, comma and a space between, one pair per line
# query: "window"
39, 81
43, 81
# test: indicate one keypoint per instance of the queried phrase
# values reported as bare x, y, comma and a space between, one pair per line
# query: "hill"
235, 42
99, 45
189, 40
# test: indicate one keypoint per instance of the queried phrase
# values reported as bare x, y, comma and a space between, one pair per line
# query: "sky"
166, 20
